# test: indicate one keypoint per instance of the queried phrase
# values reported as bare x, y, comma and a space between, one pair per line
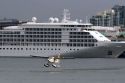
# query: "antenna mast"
66, 15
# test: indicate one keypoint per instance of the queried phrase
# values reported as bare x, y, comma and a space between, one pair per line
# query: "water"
31, 70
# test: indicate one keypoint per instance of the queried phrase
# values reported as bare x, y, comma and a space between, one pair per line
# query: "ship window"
70, 44
92, 44
0, 48
89, 40
81, 44
78, 44
70, 36
74, 44
109, 52
67, 44
85, 44
70, 40
89, 36
78, 40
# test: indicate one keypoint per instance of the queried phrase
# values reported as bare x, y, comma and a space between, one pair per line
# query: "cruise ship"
65, 38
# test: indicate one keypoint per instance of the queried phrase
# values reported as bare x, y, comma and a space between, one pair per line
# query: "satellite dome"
56, 19
34, 19
51, 19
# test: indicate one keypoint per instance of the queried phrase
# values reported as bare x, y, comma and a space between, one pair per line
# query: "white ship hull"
101, 51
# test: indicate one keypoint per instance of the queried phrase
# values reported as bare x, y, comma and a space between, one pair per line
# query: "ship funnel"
34, 19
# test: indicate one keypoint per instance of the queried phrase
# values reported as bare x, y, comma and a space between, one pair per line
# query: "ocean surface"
31, 70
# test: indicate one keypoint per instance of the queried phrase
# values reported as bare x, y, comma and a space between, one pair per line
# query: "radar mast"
66, 16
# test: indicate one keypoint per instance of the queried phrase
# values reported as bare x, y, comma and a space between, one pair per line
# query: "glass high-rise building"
112, 17
119, 18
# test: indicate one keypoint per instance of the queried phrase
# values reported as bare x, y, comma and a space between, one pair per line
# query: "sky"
43, 9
